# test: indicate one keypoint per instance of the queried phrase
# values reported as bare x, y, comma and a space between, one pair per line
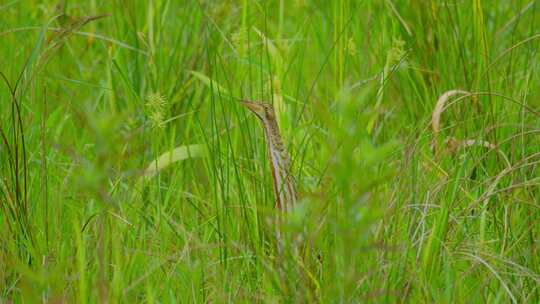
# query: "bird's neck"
273, 135
284, 189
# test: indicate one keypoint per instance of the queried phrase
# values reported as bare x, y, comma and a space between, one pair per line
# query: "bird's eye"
269, 113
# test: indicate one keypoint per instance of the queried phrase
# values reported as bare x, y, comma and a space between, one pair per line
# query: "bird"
278, 157
280, 163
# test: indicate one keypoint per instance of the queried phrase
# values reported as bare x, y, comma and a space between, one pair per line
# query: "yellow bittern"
283, 183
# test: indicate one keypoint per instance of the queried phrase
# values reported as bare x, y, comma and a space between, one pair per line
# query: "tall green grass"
395, 210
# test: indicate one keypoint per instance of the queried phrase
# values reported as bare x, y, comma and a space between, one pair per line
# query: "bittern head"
264, 111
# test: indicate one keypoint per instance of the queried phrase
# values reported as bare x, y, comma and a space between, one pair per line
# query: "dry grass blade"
452, 144
495, 273
440, 107
524, 163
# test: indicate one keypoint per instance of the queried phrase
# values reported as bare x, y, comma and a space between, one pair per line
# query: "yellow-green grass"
129, 171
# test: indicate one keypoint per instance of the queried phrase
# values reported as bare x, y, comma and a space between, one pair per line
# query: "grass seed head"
155, 104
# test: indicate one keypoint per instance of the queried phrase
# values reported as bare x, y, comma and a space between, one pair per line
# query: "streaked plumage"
283, 183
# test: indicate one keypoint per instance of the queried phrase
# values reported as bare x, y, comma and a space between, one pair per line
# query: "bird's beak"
250, 105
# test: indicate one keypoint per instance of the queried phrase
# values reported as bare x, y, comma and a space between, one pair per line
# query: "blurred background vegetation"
399, 210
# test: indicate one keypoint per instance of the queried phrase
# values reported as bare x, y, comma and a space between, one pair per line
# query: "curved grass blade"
175, 155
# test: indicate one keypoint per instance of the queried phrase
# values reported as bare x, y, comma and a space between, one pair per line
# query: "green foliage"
129, 171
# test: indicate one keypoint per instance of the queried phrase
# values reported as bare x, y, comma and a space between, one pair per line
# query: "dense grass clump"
129, 171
